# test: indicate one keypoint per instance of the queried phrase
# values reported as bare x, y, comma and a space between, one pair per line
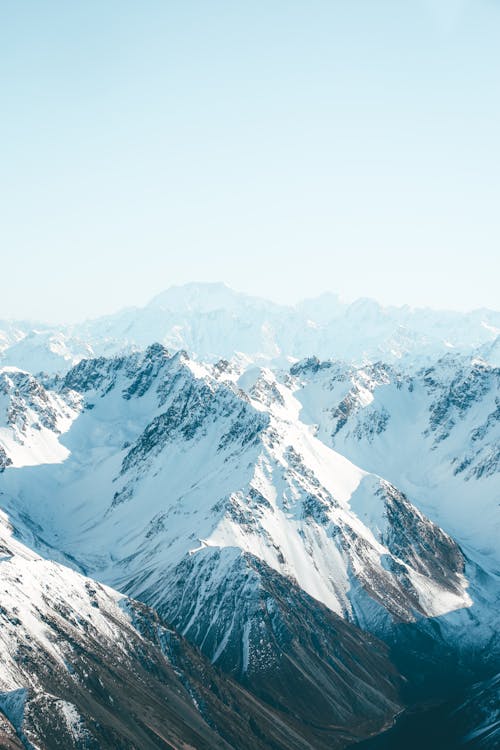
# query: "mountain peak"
202, 297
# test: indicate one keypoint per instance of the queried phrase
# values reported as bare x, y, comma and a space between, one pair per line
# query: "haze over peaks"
211, 321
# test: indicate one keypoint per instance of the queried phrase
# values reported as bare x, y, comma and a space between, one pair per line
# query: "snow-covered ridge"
434, 433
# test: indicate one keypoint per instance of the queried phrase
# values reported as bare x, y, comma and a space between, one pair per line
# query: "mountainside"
12, 331
166, 449
85, 667
169, 461
280, 519
434, 433
211, 321
479, 716
468, 719
32, 418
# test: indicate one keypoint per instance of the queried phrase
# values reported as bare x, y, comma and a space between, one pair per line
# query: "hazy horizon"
340, 298
286, 148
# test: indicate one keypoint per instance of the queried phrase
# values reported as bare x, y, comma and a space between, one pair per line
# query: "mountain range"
211, 321
228, 523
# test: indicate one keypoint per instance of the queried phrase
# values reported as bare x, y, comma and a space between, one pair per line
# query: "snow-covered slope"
434, 433
212, 321
46, 351
490, 352
31, 420
12, 331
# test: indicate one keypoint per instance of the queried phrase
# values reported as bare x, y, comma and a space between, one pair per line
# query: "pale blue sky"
285, 147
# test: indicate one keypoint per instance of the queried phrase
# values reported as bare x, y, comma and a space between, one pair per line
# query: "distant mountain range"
211, 321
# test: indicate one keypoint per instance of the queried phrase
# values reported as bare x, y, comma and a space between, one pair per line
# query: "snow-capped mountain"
168, 462
83, 666
211, 321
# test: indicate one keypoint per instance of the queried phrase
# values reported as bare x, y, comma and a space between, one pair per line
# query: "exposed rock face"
418, 543
9, 739
290, 650
4, 459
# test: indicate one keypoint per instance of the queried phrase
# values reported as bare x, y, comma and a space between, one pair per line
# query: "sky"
284, 147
